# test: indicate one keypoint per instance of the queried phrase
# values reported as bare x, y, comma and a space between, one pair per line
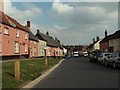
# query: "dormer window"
6, 31
17, 33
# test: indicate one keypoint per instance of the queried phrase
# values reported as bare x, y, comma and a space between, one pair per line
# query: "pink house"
54, 48
33, 42
15, 38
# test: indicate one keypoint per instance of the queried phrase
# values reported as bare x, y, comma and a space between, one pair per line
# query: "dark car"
94, 55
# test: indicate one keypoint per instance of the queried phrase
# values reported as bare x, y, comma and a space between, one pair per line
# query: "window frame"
25, 35
17, 33
16, 47
35, 50
6, 31
26, 48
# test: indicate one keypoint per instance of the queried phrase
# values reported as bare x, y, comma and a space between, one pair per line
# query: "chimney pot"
105, 33
38, 31
47, 33
28, 23
93, 40
97, 38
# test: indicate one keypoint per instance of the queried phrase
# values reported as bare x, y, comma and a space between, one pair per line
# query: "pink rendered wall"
32, 45
9, 40
51, 49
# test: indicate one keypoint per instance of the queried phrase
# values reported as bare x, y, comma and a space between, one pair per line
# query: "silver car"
103, 57
113, 60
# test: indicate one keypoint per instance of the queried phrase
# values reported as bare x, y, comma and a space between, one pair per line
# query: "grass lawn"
30, 70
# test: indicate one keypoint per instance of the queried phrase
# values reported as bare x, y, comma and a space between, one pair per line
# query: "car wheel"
114, 65
105, 63
101, 62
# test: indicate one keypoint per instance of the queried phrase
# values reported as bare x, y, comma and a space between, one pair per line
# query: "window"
6, 31
17, 33
34, 42
30, 41
25, 35
16, 47
35, 50
25, 47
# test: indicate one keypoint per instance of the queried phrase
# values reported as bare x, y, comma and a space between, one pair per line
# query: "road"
78, 72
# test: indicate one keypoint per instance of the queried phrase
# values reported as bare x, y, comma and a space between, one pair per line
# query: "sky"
71, 22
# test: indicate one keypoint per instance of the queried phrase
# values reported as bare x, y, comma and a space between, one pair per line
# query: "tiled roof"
7, 20
90, 46
58, 44
111, 36
32, 36
50, 41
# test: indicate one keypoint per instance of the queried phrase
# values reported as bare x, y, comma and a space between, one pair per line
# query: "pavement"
78, 72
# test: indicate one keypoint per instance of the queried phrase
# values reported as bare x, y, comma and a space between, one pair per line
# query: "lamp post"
46, 61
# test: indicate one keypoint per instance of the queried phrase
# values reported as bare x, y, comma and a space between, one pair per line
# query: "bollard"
17, 70
46, 62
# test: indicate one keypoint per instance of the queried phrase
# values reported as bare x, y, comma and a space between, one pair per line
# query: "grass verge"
30, 70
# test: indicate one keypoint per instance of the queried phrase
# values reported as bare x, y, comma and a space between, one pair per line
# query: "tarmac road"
78, 72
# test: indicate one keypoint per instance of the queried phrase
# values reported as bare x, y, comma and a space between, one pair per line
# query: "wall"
41, 46
1, 5
104, 47
115, 43
8, 41
96, 45
33, 45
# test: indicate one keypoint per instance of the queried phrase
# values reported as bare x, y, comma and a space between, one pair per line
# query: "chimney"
55, 38
105, 33
97, 38
28, 24
59, 41
93, 40
47, 33
38, 31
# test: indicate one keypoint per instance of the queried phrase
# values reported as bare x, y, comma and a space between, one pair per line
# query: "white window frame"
25, 35
35, 50
26, 48
16, 47
34, 42
6, 30
30, 41
17, 33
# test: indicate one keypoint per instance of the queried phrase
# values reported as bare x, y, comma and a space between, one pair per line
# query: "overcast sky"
71, 22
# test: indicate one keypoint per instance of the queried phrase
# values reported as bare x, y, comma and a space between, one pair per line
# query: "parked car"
93, 57
113, 60
76, 54
103, 57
